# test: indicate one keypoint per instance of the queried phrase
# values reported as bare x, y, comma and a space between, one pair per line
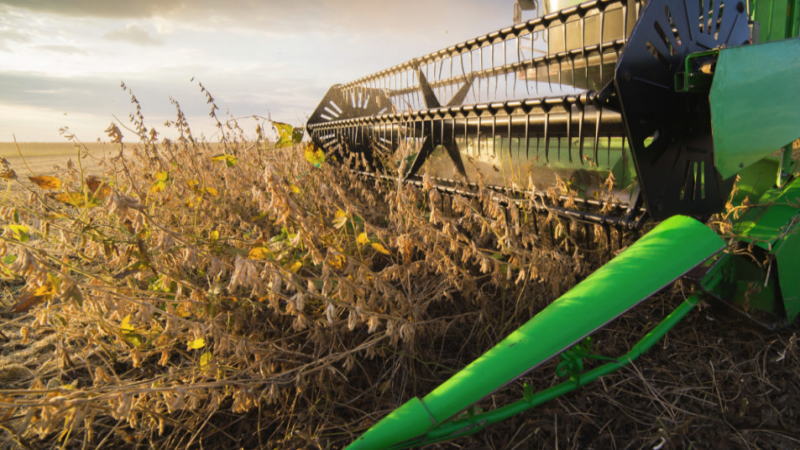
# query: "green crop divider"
477, 422
628, 279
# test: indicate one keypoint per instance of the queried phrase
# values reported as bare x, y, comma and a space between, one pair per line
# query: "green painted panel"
777, 19
665, 253
755, 180
754, 103
788, 258
764, 225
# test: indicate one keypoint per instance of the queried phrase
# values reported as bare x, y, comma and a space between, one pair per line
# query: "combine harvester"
681, 100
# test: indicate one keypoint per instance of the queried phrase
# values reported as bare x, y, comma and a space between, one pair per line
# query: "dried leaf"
46, 182
97, 187
26, 302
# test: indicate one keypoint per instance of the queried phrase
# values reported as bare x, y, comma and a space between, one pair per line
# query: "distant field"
42, 158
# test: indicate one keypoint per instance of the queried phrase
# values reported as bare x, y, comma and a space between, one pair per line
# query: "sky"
62, 61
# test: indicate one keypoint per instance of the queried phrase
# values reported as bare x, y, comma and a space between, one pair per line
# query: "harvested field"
235, 295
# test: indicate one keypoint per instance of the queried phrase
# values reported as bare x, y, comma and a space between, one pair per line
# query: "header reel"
574, 95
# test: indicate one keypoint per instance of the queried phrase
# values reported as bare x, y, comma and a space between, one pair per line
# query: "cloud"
68, 49
9, 37
97, 8
134, 34
358, 17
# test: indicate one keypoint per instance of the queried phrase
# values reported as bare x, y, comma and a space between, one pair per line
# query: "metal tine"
494, 75
600, 38
527, 137
535, 68
598, 119
519, 60
443, 88
453, 132
546, 135
522, 65
564, 35
480, 56
466, 132
569, 131
582, 107
547, 64
450, 75
583, 48
505, 63
625, 20
489, 77
479, 134
494, 134
510, 151
714, 28
441, 130
704, 18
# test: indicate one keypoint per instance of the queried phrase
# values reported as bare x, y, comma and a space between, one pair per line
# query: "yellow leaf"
21, 232
214, 235
162, 178
196, 344
315, 157
125, 325
339, 219
229, 160
337, 261
211, 191
183, 310
380, 248
76, 199
194, 202
362, 239
45, 290
287, 135
205, 359
46, 182
294, 188
258, 253
297, 265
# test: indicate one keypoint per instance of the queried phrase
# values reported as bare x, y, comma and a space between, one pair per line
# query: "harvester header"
681, 107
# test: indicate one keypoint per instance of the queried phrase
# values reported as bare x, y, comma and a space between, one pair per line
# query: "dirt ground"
43, 158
